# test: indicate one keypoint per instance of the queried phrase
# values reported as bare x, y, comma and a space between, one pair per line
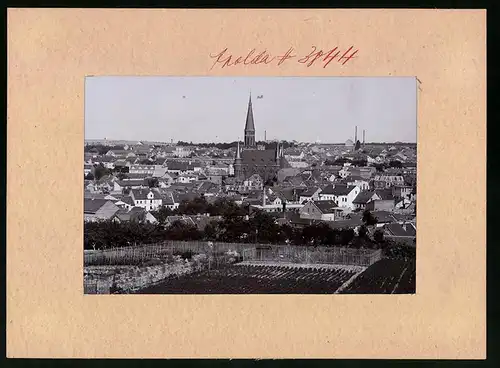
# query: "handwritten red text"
225, 59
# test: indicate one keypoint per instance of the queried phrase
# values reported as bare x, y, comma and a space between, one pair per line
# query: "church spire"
249, 126
238, 155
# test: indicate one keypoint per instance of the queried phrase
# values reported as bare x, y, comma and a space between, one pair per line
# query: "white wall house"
343, 195
146, 198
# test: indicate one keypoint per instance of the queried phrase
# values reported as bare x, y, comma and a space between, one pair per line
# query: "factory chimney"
355, 134
363, 138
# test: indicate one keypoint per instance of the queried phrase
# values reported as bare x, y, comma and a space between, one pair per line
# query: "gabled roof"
91, 205
286, 194
130, 183
178, 165
384, 194
141, 194
168, 199
309, 191
328, 189
128, 200
364, 197
134, 214
399, 229
325, 206
338, 189
345, 224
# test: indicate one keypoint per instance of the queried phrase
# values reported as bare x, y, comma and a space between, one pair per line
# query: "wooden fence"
249, 252
308, 255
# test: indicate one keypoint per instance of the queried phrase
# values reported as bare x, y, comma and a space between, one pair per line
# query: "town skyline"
285, 109
135, 141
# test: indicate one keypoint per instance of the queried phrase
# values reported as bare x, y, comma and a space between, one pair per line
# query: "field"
258, 279
387, 276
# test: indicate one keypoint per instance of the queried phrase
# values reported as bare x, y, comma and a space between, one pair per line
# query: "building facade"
250, 160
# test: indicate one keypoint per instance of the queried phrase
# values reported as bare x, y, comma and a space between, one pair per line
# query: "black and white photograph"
250, 185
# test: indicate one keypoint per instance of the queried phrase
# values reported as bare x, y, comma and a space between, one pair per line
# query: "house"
326, 210
178, 167
120, 185
135, 214
98, 209
380, 205
405, 233
87, 169
117, 153
185, 178
142, 169
387, 181
266, 207
122, 164
363, 198
169, 200
343, 195
311, 194
358, 181
354, 224
288, 195
90, 186
107, 161
402, 191
385, 203
126, 202
146, 198
182, 151
364, 172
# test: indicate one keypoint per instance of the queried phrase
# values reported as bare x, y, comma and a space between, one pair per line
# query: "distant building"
321, 210
250, 160
182, 151
387, 181
98, 209
142, 169
342, 194
146, 198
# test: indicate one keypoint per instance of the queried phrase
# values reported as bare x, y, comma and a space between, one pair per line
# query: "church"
251, 160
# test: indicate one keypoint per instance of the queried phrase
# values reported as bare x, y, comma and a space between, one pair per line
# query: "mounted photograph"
250, 185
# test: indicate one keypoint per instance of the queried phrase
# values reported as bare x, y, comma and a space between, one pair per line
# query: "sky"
213, 109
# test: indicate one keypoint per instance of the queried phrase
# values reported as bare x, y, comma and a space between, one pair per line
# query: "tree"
378, 236
369, 219
89, 176
100, 171
162, 213
362, 232
153, 182
357, 145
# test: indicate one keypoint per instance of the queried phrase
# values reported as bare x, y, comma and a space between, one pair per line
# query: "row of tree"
100, 148
228, 145
260, 228
199, 205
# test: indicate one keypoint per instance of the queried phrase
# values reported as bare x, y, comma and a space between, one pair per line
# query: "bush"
184, 255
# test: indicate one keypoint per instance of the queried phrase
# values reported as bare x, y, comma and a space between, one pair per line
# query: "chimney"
363, 138
264, 197
265, 136
355, 134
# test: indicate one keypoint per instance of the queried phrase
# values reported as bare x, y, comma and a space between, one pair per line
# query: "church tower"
238, 169
249, 127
